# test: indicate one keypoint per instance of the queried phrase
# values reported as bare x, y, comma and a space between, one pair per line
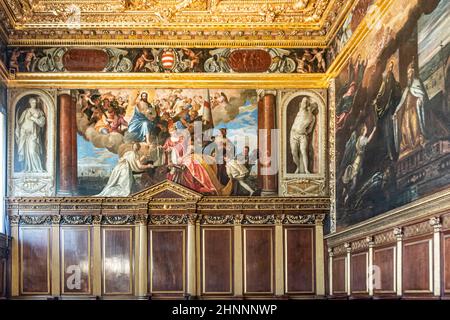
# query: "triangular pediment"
167, 190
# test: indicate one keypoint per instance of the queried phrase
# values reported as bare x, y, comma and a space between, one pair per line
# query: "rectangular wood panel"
167, 265
2, 277
217, 260
35, 260
358, 273
339, 275
117, 261
258, 260
76, 260
299, 260
417, 271
446, 262
384, 271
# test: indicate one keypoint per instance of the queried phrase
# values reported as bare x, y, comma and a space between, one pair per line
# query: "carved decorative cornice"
169, 219
185, 21
217, 219
118, 219
76, 219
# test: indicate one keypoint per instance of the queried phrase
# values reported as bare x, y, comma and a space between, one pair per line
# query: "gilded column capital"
193, 218
97, 219
348, 247
56, 219
435, 222
279, 218
238, 218
142, 219
318, 219
370, 241
398, 232
14, 220
330, 252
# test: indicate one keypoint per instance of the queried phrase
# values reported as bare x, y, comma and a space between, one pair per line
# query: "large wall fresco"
217, 142
167, 60
129, 140
392, 113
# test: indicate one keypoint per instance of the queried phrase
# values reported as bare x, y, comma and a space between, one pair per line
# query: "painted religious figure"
29, 135
409, 116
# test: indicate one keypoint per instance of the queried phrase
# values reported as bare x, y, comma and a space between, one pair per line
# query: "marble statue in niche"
29, 135
300, 135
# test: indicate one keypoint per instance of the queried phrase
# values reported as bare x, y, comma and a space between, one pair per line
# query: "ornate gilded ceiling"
282, 23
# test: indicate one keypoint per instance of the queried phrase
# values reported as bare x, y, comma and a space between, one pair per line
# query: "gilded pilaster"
398, 232
279, 261
56, 265
320, 259
97, 256
192, 274
435, 222
238, 277
15, 277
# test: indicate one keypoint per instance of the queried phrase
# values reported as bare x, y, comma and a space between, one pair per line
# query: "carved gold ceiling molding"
287, 23
171, 80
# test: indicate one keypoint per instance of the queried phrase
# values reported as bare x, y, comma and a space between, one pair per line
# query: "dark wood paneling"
2, 277
358, 273
76, 262
299, 259
217, 260
167, 260
35, 260
117, 260
384, 270
339, 275
258, 260
446, 262
416, 267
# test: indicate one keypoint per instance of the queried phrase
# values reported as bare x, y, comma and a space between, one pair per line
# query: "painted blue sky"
244, 128
95, 158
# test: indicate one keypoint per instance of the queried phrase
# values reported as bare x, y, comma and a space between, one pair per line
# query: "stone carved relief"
32, 141
303, 123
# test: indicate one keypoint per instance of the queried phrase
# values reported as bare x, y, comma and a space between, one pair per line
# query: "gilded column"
398, 232
348, 274
370, 284
97, 257
435, 222
279, 261
267, 164
15, 277
320, 259
238, 278
65, 144
191, 255
56, 264
330, 270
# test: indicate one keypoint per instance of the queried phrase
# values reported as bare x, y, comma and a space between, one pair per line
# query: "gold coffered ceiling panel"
194, 22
